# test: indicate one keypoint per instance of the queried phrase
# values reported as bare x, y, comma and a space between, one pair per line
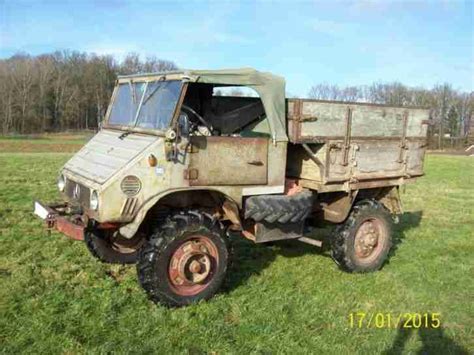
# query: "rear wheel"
110, 247
185, 260
362, 243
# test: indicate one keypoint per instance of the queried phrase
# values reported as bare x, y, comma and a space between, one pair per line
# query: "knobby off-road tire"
106, 246
362, 243
279, 208
185, 260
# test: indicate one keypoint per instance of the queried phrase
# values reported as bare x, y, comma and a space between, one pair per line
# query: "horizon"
343, 45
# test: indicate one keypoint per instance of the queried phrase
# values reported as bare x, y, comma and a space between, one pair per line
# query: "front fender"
233, 194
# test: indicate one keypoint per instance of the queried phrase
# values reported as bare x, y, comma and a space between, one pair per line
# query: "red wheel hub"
192, 265
369, 239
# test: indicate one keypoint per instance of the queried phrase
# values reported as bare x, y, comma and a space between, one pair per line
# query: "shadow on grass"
433, 340
251, 259
408, 220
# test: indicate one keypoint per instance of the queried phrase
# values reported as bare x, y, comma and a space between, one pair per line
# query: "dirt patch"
12, 146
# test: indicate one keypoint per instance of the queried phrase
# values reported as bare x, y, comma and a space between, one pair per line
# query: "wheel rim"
192, 265
370, 239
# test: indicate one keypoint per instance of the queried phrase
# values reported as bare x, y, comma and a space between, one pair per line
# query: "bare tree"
333, 92
62, 90
450, 108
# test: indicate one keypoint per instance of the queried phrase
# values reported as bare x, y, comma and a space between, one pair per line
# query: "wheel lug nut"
179, 280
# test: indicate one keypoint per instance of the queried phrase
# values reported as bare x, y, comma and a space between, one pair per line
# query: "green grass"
44, 143
66, 138
291, 298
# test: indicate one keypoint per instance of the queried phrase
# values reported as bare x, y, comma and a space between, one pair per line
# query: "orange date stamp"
391, 320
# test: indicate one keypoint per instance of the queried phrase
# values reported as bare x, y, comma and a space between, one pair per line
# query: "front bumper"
62, 218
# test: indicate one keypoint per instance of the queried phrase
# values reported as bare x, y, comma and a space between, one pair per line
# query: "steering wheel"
199, 117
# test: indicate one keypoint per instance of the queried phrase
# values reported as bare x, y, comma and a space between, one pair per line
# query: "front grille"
84, 193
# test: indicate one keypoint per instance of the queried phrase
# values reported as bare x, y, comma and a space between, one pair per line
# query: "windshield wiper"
157, 88
140, 104
134, 95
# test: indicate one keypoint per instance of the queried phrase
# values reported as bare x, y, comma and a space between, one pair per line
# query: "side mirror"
183, 124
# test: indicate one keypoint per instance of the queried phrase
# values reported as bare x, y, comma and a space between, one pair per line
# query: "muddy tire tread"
339, 246
279, 208
175, 228
99, 249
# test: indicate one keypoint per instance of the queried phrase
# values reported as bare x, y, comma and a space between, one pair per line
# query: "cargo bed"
340, 145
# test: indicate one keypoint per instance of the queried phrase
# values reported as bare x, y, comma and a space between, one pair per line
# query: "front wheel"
185, 260
362, 243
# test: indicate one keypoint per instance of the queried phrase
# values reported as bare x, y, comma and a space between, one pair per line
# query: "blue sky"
419, 43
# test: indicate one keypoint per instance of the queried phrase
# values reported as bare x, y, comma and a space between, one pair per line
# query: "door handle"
255, 162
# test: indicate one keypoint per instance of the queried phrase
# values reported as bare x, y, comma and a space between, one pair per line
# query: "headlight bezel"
94, 200
61, 182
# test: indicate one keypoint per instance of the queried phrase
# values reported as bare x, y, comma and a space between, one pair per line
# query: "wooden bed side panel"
318, 120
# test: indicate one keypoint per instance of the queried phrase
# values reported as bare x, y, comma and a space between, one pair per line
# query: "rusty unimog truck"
177, 167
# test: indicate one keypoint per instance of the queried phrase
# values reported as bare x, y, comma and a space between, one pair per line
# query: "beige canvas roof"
270, 88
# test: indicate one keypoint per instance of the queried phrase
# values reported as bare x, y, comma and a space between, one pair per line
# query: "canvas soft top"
270, 88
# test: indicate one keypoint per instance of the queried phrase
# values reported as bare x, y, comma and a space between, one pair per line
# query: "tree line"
62, 90
452, 110
68, 90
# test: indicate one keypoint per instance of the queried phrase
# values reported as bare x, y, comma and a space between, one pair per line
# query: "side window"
234, 91
238, 110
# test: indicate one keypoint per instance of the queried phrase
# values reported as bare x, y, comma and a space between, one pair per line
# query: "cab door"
219, 160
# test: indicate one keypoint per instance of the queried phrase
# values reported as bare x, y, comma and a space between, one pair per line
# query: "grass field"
291, 298
44, 143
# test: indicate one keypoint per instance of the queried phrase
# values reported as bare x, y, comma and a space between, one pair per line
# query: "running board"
270, 232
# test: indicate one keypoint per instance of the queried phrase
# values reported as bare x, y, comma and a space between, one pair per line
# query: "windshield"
145, 104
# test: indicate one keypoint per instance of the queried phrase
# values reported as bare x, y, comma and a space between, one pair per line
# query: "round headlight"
61, 182
94, 201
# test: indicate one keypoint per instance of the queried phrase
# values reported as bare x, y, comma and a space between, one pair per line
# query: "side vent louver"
128, 207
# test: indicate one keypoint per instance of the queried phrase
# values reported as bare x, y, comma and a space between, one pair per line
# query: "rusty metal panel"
318, 120
415, 158
377, 157
228, 161
336, 167
361, 142
70, 229
364, 159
